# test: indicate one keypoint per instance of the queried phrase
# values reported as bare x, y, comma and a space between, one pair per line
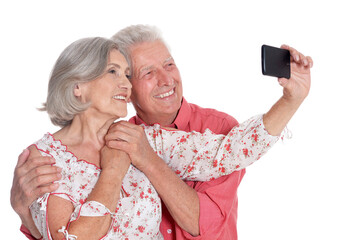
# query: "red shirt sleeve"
26, 232
218, 208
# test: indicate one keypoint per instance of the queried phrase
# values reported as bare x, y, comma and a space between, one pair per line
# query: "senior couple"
96, 179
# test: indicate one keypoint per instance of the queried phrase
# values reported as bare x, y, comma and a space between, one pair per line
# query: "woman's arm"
206, 156
114, 165
33, 177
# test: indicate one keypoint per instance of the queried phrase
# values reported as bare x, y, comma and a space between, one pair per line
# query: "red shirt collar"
181, 120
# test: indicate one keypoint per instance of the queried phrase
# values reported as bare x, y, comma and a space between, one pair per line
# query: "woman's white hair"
136, 34
82, 61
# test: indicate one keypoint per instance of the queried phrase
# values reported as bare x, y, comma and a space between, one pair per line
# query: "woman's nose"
124, 83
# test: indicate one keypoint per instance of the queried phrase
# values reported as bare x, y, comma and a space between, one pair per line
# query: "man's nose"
164, 78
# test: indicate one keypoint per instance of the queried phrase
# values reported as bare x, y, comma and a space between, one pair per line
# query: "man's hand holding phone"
295, 89
292, 69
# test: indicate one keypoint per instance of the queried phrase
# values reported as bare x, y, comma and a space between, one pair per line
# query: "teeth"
119, 97
166, 94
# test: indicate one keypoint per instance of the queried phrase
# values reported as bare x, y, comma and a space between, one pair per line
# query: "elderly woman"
101, 195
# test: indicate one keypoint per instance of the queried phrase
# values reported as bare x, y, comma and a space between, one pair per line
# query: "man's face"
156, 83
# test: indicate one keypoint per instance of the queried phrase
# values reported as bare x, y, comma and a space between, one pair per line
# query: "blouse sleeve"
206, 156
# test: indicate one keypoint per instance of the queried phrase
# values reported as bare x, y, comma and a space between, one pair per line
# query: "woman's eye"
112, 71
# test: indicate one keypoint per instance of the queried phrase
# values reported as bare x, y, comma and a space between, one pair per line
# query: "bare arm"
106, 191
295, 91
33, 177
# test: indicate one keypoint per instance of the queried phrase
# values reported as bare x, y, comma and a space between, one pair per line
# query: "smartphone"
275, 62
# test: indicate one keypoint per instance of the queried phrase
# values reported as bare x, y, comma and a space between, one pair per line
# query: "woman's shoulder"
47, 145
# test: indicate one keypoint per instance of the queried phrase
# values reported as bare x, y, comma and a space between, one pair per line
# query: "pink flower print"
126, 224
246, 152
215, 163
255, 137
227, 146
183, 139
141, 229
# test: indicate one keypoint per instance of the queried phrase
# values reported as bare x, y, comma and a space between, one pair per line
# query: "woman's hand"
297, 87
114, 159
295, 90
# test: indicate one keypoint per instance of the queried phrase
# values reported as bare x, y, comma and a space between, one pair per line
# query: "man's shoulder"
212, 113
217, 121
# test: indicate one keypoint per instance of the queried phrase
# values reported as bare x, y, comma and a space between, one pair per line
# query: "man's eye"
128, 77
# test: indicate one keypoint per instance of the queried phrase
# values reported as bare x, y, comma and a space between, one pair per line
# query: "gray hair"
136, 34
82, 61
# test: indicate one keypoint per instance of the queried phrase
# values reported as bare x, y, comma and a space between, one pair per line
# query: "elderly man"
191, 210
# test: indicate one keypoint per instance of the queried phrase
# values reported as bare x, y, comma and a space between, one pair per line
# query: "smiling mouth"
119, 97
167, 94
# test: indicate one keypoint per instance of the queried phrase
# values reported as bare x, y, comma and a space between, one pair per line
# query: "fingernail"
297, 58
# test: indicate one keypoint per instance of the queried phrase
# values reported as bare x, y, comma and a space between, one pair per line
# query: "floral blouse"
192, 156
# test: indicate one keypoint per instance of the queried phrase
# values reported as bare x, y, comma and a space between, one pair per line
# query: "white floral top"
192, 156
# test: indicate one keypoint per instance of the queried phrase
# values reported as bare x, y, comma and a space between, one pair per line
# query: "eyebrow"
114, 64
168, 59
149, 67
145, 69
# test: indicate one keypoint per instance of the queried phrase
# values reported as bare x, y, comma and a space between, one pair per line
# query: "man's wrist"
152, 166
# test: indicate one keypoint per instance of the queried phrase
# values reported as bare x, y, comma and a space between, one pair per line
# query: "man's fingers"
117, 136
39, 176
41, 180
35, 162
310, 62
129, 125
298, 57
23, 157
120, 145
124, 131
38, 192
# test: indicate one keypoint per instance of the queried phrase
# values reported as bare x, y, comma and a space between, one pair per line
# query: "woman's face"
110, 93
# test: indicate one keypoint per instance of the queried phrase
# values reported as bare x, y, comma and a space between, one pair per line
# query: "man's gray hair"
136, 34
82, 61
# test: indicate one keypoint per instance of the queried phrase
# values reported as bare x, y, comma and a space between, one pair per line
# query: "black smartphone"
275, 62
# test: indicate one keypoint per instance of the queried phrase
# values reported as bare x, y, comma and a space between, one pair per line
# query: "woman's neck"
85, 129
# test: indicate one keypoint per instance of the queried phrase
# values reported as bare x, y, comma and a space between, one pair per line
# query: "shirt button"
169, 231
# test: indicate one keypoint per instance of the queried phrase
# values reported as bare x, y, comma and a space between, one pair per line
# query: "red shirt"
218, 198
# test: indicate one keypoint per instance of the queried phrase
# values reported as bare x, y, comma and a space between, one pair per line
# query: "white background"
305, 188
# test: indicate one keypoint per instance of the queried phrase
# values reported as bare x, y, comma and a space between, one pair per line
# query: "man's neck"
163, 120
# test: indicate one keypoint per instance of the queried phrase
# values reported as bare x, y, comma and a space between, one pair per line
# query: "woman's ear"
77, 90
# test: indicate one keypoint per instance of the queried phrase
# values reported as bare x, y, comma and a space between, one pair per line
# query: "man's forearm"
276, 119
28, 222
181, 200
